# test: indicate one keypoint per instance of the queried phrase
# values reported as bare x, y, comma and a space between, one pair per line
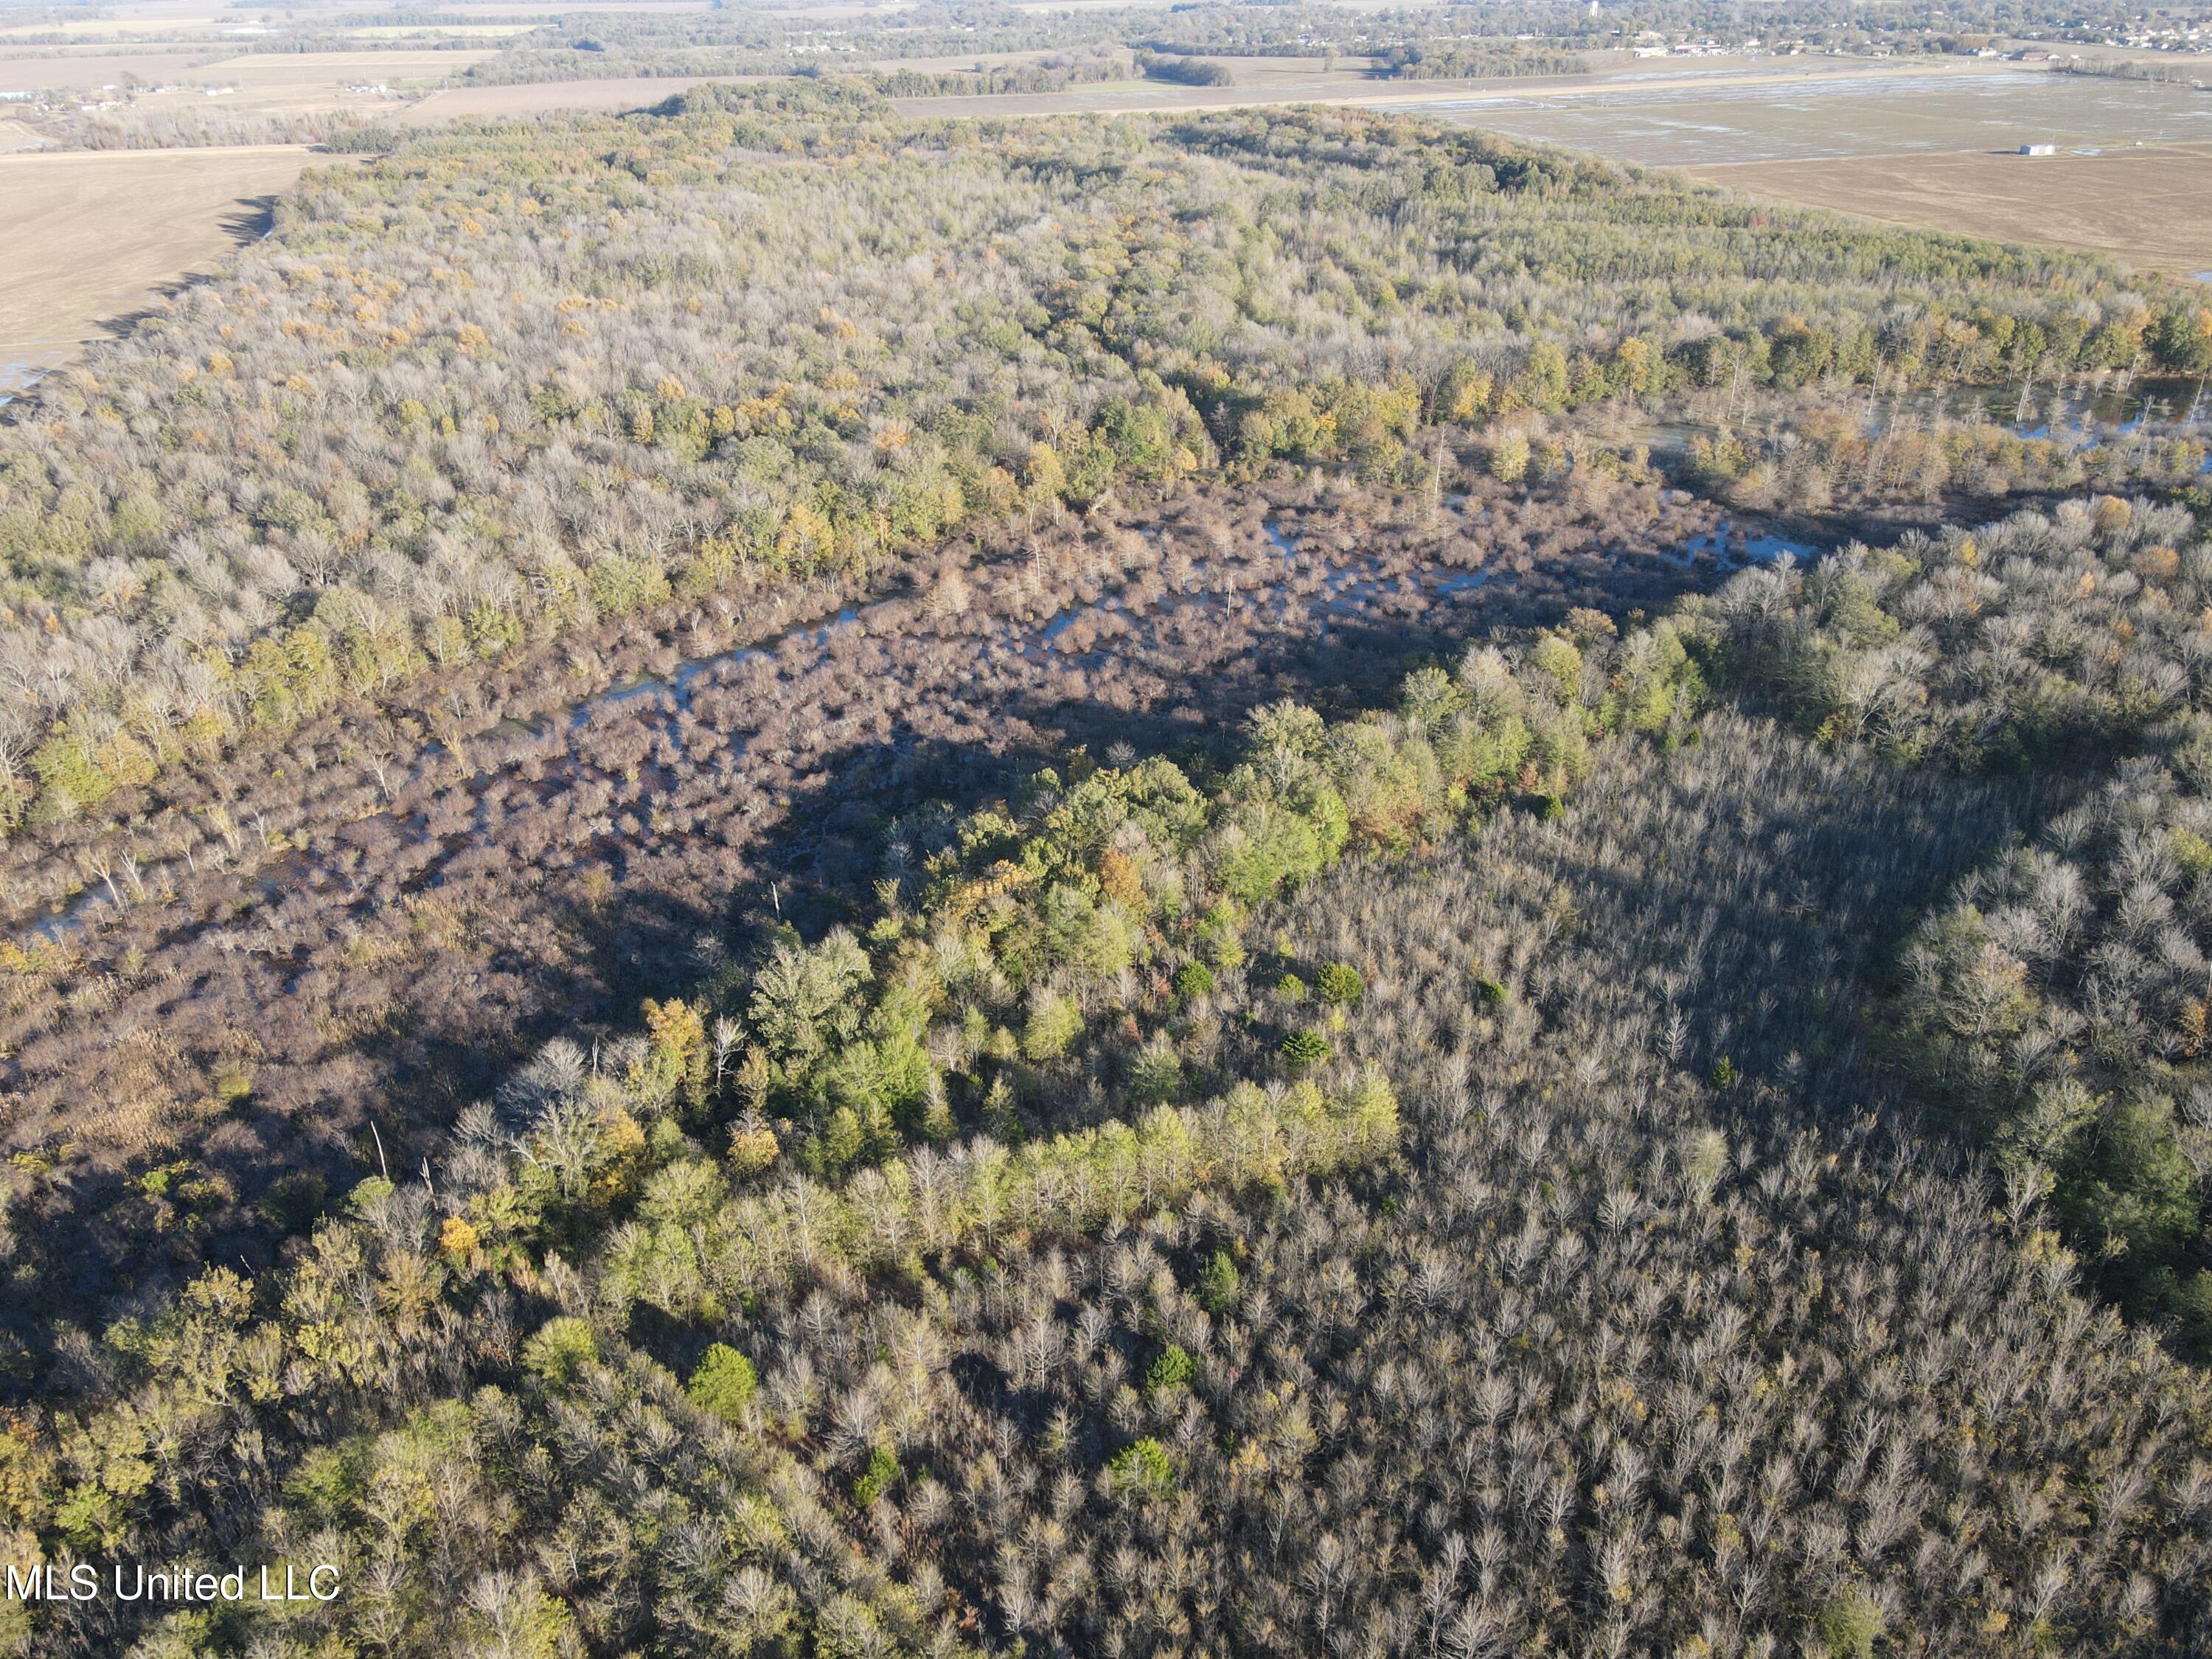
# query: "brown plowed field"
92, 236
2150, 208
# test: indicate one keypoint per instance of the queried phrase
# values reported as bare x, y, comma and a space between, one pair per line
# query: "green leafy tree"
1850, 1623
1194, 980
1156, 1073
723, 1383
559, 1352
1143, 1466
881, 1474
806, 997
1338, 984
1171, 1368
1218, 1281
1054, 1025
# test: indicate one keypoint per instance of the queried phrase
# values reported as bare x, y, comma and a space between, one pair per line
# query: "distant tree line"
1183, 71
1052, 73
1446, 61
1537, 37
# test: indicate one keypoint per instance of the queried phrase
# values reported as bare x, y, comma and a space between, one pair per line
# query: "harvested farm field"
278, 82
548, 97
2150, 208
43, 68
96, 234
1614, 82
1785, 116
307, 82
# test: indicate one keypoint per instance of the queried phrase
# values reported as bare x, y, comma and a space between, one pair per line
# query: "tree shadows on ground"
645, 916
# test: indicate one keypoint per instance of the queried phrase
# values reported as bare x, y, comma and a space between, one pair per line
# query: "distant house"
2039, 150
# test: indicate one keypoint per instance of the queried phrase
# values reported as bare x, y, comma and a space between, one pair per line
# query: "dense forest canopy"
2058, 1005
500, 382
1673, 1125
1337, 1204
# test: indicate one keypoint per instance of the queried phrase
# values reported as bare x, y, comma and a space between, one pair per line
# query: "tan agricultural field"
39, 69
1786, 114
291, 69
194, 98
547, 97
109, 28
2150, 208
134, 16
1260, 80
469, 30
312, 83
95, 235
282, 83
